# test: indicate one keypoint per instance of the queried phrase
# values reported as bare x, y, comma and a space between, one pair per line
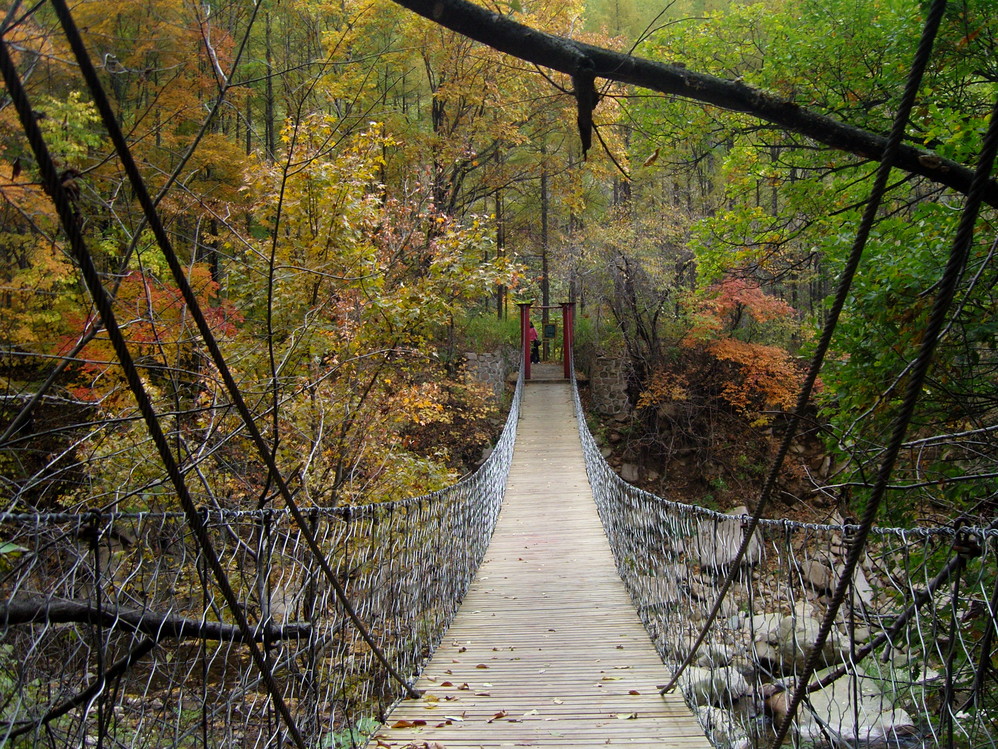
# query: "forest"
359, 195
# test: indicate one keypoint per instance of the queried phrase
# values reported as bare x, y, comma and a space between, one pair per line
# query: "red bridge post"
568, 337
524, 342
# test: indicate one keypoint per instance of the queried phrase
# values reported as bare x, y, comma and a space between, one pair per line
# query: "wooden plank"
547, 649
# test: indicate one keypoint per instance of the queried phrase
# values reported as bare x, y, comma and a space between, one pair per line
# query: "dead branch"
569, 57
38, 610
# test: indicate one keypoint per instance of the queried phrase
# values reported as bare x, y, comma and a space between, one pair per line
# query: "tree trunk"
268, 115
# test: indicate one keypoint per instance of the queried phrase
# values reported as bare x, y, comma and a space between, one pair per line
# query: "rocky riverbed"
742, 677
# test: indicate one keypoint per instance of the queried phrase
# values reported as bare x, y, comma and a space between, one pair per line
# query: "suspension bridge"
111, 633
547, 649
307, 626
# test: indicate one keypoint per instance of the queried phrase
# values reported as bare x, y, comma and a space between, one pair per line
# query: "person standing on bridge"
535, 345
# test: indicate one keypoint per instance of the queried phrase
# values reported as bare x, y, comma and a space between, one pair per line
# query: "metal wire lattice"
112, 633
927, 678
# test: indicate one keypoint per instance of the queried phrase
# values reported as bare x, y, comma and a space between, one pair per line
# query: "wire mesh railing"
911, 659
112, 634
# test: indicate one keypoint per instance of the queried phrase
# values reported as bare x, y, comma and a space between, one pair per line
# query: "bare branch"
35, 610
568, 56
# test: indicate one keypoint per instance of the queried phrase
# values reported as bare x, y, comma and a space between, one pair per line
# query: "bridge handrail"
501, 456
93, 599
598, 469
926, 634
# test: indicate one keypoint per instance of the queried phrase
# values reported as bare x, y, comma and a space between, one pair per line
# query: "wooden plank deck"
547, 649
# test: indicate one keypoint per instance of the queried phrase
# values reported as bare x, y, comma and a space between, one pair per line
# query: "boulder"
833, 720
783, 640
817, 575
863, 590
721, 728
714, 542
799, 635
822, 576
765, 627
767, 656
718, 687
630, 473
713, 655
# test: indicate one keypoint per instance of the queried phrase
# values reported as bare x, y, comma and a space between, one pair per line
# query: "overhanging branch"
567, 56
37, 610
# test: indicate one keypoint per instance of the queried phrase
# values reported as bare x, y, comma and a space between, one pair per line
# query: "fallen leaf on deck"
408, 723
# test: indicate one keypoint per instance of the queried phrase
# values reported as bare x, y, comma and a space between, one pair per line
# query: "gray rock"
784, 640
717, 686
833, 719
767, 655
766, 627
721, 729
817, 575
863, 590
715, 543
630, 472
714, 655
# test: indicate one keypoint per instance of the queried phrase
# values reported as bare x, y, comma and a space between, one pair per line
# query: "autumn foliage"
156, 324
752, 378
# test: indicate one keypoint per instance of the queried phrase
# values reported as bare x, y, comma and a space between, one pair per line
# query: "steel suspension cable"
71, 224
176, 269
894, 140
946, 291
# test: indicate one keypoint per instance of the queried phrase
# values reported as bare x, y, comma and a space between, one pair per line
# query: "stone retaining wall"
491, 368
608, 383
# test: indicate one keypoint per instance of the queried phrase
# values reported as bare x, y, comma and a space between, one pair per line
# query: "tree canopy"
355, 188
